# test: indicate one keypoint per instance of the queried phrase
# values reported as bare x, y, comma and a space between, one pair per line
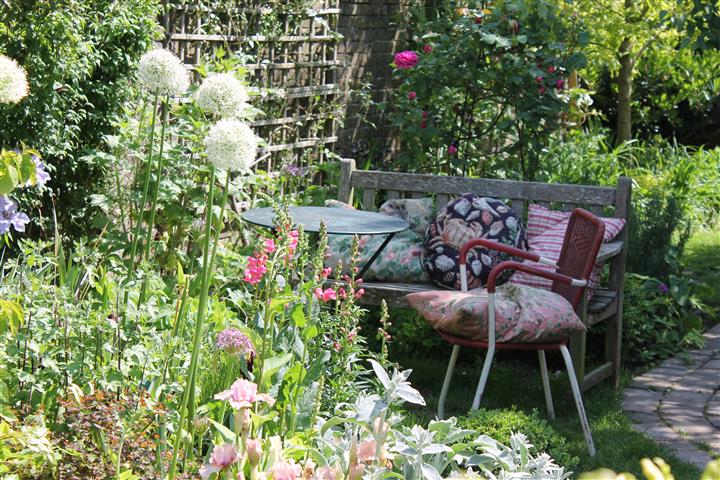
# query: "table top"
339, 221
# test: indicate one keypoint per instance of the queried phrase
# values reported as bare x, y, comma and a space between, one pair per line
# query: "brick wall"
370, 39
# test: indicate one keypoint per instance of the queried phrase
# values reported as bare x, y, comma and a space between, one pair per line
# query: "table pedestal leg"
375, 255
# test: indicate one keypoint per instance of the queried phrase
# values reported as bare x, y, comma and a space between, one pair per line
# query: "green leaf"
298, 315
11, 316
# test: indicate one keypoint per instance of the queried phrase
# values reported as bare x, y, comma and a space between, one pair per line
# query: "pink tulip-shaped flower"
366, 451
222, 457
242, 394
254, 451
406, 60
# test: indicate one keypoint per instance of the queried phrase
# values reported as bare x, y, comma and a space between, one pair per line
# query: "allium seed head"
231, 145
161, 71
222, 94
13, 81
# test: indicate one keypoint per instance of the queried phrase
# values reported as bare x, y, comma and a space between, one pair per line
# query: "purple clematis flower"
9, 216
41, 174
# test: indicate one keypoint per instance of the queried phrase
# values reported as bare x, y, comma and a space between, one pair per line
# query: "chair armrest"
609, 250
493, 245
510, 265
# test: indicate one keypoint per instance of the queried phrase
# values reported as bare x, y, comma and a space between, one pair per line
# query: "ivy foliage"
78, 55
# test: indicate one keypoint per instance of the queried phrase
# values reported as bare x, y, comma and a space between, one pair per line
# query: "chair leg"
578, 400
546, 385
483, 377
446, 382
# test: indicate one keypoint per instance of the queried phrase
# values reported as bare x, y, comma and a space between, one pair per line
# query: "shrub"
659, 319
500, 424
488, 89
78, 55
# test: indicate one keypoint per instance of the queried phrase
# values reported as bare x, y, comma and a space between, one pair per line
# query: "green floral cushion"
400, 259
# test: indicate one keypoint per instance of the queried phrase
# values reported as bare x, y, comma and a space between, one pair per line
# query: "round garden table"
338, 221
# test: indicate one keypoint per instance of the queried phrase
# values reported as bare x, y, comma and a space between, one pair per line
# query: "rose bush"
488, 89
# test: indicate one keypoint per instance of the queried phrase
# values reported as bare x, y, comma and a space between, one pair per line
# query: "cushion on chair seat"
522, 314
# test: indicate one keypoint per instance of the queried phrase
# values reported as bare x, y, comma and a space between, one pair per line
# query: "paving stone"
698, 458
639, 400
658, 432
713, 364
690, 398
652, 382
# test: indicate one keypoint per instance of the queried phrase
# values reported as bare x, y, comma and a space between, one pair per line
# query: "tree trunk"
623, 129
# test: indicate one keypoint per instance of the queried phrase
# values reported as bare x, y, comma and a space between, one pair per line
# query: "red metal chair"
581, 244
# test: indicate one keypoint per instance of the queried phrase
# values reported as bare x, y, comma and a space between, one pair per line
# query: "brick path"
678, 403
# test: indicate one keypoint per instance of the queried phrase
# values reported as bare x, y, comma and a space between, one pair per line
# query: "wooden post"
345, 188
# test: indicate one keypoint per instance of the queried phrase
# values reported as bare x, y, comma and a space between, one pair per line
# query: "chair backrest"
581, 245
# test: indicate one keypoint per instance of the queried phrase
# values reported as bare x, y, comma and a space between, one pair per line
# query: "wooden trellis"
293, 50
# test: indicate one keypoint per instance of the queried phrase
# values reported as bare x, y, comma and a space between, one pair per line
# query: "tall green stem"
156, 191
141, 209
198, 326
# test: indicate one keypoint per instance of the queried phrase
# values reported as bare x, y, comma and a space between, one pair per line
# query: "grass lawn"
516, 382
702, 262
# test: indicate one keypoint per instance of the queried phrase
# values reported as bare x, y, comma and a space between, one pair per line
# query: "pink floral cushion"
522, 314
546, 231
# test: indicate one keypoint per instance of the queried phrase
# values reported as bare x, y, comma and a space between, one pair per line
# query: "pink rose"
560, 83
551, 69
411, 96
539, 79
222, 457
541, 90
405, 60
452, 150
285, 471
242, 394
427, 48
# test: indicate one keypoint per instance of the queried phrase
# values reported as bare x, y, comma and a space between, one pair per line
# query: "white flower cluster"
161, 71
222, 94
231, 145
13, 81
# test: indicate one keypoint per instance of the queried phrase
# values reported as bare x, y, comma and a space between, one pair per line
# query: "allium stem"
156, 192
199, 320
146, 188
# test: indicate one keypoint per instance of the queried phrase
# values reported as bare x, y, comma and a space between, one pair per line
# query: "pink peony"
560, 83
285, 471
222, 457
405, 60
411, 96
427, 48
242, 394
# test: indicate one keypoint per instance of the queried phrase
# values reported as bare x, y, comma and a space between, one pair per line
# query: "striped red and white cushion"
546, 232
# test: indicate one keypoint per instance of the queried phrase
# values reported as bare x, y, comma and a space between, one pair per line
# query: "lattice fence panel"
293, 49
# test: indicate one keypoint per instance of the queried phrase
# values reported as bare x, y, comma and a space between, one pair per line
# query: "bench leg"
613, 342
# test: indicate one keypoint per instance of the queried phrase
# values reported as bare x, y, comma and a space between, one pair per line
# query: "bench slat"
393, 194
368, 199
410, 182
609, 250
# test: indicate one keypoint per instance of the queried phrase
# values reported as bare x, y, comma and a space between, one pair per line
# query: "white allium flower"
160, 70
13, 81
231, 145
222, 94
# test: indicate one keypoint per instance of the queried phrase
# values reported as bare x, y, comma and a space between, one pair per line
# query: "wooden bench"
606, 304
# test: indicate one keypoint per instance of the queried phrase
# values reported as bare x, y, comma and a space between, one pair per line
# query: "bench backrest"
376, 186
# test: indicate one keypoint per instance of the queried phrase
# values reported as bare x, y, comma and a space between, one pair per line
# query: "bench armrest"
609, 250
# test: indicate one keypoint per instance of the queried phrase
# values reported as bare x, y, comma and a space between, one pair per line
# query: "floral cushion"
522, 314
417, 212
546, 232
400, 259
463, 219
